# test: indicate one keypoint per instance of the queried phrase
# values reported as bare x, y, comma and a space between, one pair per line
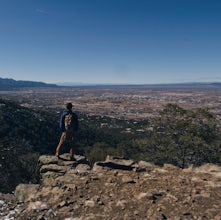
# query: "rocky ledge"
115, 189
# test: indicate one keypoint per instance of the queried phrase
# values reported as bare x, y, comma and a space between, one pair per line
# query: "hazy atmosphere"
111, 41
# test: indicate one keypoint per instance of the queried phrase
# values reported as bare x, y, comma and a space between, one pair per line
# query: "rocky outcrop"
116, 188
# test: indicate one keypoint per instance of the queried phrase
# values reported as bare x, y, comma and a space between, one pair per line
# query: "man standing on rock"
69, 127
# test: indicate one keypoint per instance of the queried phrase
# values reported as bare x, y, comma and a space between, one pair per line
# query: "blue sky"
111, 41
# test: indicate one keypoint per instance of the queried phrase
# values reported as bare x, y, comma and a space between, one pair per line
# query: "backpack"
69, 121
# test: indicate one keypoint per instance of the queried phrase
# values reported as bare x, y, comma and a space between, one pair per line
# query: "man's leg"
72, 153
62, 139
72, 143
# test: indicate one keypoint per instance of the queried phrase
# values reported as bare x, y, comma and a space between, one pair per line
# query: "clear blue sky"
110, 41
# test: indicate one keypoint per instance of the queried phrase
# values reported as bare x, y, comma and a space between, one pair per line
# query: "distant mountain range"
6, 83
185, 84
11, 83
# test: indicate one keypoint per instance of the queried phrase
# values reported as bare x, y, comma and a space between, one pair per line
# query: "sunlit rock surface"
116, 188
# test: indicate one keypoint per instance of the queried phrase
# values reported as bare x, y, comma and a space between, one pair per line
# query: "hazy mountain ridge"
126, 85
6, 83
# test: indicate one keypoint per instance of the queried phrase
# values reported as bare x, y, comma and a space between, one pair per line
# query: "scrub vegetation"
178, 136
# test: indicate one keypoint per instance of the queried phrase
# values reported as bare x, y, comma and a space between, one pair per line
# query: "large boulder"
25, 192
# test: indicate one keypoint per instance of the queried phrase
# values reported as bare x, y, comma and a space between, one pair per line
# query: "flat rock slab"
47, 159
77, 158
117, 163
54, 168
67, 163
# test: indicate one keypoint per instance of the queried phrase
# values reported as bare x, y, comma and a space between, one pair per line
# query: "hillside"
116, 188
11, 83
25, 134
179, 137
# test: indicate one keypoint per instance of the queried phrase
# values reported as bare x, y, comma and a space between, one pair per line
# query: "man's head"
69, 106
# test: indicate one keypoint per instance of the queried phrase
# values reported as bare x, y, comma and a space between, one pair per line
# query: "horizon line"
69, 84
132, 84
